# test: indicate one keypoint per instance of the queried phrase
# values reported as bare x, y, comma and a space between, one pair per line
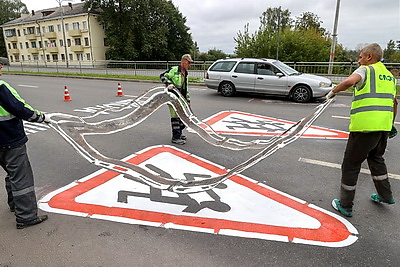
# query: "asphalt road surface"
306, 170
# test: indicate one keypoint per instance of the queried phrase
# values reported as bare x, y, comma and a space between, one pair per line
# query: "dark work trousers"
360, 146
176, 123
19, 183
177, 127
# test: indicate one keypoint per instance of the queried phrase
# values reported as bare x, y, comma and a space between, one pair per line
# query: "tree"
309, 21
9, 10
143, 29
301, 40
275, 19
212, 55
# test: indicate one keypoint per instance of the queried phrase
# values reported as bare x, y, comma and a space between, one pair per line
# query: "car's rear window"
224, 66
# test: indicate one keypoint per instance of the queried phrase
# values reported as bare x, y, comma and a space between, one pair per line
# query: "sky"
214, 23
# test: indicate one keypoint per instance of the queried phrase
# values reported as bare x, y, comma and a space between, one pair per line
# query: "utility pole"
63, 31
279, 34
334, 38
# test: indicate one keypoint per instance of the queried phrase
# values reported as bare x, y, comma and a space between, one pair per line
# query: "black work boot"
39, 219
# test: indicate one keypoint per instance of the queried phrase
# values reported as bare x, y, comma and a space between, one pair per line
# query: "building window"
38, 30
55, 57
62, 57
69, 42
66, 27
43, 29
71, 57
33, 44
23, 58
84, 25
31, 30
79, 57
9, 46
20, 46
77, 41
40, 44
75, 25
14, 45
29, 57
59, 28
48, 58
86, 41
61, 43
51, 28
10, 32
19, 32
16, 58
24, 30
52, 43
88, 56
45, 44
35, 58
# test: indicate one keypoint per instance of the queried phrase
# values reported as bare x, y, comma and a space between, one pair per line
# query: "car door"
243, 76
270, 80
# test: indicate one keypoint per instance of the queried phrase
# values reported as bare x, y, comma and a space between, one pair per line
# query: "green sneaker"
376, 198
336, 205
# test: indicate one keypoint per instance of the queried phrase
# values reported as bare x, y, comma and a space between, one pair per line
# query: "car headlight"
325, 84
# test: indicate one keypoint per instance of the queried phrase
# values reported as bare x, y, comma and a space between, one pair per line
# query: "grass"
96, 75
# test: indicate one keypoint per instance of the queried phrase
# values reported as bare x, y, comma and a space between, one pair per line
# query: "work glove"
43, 118
330, 95
171, 87
393, 132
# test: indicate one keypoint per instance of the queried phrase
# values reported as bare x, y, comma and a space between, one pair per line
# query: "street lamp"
63, 30
334, 38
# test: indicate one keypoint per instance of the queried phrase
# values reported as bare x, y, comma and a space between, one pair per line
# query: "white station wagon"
267, 76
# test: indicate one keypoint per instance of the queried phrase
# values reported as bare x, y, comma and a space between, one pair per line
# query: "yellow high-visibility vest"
372, 106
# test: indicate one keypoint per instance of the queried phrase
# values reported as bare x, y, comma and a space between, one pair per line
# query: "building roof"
51, 14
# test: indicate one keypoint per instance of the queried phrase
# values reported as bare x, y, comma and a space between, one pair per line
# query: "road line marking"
31, 86
348, 118
341, 117
338, 166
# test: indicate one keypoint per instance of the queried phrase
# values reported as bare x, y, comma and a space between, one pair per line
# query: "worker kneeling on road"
14, 158
372, 115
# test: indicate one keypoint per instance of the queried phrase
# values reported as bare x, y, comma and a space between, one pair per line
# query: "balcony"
31, 36
50, 35
14, 51
12, 38
33, 50
75, 33
52, 49
77, 48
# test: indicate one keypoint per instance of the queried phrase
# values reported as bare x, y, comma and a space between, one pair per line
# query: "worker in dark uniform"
372, 115
178, 76
14, 158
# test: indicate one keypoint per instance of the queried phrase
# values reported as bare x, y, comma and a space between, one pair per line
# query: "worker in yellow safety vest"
372, 115
177, 77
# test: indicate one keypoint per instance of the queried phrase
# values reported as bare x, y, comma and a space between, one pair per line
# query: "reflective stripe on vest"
7, 117
372, 106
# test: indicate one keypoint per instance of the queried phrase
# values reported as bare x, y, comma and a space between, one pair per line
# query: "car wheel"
227, 89
301, 94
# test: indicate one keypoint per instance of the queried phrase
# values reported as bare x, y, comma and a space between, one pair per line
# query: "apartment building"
65, 36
